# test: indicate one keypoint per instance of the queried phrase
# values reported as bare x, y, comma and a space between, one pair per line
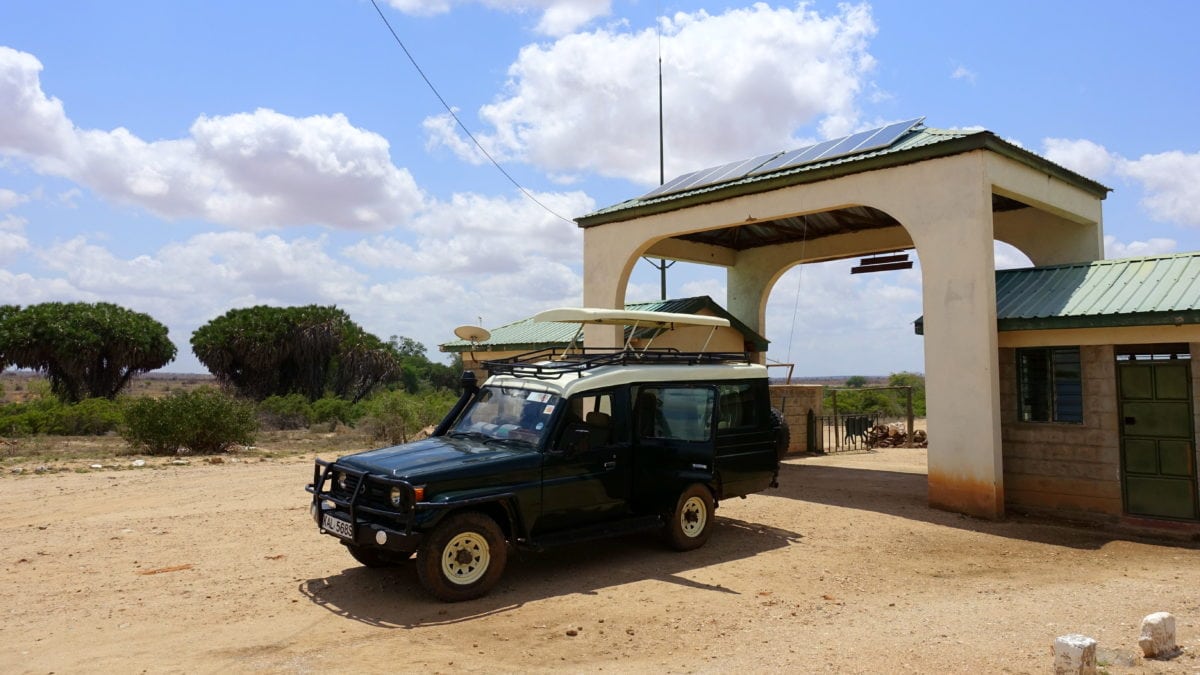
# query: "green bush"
203, 421
332, 410
285, 412
89, 417
395, 416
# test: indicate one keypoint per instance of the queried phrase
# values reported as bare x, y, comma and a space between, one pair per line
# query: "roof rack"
548, 364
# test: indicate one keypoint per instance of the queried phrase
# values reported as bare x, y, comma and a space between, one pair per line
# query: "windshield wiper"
510, 441
475, 435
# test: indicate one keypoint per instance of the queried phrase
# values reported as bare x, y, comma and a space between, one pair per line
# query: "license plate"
337, 526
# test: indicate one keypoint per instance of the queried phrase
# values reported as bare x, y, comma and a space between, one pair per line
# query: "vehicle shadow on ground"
906, 495
393, 598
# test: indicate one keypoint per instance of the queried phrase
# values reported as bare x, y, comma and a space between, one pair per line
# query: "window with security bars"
1050, 385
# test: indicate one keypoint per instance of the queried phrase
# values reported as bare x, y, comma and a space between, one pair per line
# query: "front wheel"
690, 526
463, 558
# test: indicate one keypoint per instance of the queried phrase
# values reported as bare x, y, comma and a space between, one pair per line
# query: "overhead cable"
460, 122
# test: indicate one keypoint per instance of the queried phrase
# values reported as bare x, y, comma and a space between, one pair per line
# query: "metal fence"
839, 433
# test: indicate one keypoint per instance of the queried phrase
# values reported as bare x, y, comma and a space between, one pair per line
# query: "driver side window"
593, 413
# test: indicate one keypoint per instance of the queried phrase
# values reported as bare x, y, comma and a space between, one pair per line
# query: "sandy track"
843, 569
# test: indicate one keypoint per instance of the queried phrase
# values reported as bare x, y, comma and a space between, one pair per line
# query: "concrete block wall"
1068, 470
795, 400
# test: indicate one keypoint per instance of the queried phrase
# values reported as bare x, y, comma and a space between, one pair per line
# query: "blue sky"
190, 157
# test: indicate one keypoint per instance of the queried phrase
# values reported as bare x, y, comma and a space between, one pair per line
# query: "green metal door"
1158, 464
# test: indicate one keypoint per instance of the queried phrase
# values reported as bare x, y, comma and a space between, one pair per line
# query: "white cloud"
1154, 246
1007, 256
68, 198
1170, 180
11, 221
35, 125
1172, 184
10, 199
589, 103
817, 305
1080, 155
963, 73
248, 170
11, 245
474, 235
559, 17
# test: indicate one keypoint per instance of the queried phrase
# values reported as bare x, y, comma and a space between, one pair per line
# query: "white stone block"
1158, 636
1074, 655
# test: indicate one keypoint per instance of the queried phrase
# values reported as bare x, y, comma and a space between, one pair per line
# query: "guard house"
1098, 415
944, 194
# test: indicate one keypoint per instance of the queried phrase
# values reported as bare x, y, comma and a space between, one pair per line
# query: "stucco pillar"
609, 254
746, 289
954, 242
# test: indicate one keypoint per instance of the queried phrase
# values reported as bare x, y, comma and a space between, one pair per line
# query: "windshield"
509, 414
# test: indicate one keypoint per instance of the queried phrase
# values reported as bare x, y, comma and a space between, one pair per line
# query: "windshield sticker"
538, 396
549, 409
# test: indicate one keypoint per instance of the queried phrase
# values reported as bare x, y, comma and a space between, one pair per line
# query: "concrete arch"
949, 208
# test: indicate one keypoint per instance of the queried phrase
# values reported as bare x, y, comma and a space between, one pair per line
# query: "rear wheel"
463, 558
690, 526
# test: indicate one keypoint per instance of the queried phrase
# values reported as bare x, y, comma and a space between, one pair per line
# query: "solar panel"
709, 176
863, 141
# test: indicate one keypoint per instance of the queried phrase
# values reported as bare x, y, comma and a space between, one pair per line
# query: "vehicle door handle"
610, 465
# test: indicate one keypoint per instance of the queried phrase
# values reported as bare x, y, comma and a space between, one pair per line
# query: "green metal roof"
1148, 291
920, 144
528, 334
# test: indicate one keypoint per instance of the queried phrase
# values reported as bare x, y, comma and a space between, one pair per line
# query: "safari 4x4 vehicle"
559, 447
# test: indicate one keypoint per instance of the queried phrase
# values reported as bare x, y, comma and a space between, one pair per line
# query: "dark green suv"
555, 449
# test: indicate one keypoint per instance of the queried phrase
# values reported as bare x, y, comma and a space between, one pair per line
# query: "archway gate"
948, 194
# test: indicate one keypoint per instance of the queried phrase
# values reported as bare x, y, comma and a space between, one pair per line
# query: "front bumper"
357, 522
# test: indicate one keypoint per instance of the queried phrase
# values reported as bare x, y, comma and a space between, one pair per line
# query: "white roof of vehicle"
627, 317
573, 382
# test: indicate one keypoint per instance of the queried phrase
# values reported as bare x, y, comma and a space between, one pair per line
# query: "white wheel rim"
692, 517
465, 559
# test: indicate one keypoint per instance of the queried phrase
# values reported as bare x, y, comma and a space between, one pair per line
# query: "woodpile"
894, 436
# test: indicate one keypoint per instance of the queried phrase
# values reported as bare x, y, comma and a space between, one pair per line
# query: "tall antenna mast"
662, 265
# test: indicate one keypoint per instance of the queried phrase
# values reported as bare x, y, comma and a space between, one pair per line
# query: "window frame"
1050, 385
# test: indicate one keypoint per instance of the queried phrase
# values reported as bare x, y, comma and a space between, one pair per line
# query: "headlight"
343, 481
397, 496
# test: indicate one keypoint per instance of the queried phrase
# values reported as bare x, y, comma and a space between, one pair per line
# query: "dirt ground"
216, 568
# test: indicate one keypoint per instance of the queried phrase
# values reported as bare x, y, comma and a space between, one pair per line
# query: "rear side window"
674, 413
737, 406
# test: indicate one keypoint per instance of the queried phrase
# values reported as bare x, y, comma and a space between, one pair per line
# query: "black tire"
783, 439
463, 558
690, 525
374, 557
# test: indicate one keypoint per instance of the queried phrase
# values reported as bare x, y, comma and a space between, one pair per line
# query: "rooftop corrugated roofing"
919, 144
1129, 291
530, 334
1147, 291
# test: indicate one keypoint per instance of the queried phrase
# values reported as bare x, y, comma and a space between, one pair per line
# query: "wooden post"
909, 439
